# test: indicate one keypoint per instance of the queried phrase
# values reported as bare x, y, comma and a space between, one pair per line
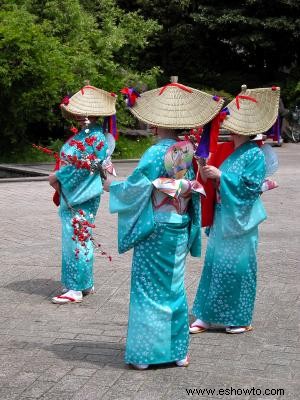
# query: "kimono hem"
82, 191
227, 289
158, 311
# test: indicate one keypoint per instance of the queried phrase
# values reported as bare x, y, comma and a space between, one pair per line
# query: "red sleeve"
56, 197
208, 202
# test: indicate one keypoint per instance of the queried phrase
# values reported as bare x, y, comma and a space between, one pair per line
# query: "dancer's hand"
106, 184
211, 172
53, 181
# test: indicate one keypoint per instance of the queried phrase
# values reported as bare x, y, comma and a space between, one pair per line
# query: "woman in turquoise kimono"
227, 289
80, 189
158, 210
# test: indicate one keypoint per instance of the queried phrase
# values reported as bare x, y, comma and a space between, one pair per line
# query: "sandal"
238, 329
198, 326
89, 291
85, 292
70, 296
183, 363
140, 367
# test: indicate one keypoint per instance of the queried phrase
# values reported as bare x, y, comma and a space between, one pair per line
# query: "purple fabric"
274, 131
114, 126
110, 125
203, 147
131, 96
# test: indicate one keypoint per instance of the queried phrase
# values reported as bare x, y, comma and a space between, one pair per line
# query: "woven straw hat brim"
176, 108
90, 101
253, 118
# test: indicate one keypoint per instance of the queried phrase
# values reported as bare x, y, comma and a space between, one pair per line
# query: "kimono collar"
247, 143
167, 141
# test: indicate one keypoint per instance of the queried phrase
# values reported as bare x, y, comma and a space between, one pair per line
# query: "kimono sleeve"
241, 207
131, 199
194, 243
151, 164
70, 177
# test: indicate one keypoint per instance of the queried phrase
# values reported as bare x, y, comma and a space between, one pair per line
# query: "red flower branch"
81, 226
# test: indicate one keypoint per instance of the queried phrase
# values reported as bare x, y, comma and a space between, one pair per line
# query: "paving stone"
37, 389
55, 373
70, 383
10, 393
83, 371
22, 379
106, 376
58, 394
91, 392
76, 352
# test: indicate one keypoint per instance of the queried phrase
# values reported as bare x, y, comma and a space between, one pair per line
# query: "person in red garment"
232, 210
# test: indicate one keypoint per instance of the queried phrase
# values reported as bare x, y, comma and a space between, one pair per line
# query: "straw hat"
253, 111
89, 102
176, 106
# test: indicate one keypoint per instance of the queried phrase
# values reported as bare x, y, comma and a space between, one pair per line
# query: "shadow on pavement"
39, 287
100, 354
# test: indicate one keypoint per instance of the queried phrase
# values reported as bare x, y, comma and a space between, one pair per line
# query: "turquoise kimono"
82, 191
227, 288
158, 311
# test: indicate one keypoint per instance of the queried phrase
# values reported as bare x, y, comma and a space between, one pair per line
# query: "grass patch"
29, 155
132, 147
126, 148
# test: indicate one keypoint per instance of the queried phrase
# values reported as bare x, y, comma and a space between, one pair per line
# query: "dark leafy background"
50, 48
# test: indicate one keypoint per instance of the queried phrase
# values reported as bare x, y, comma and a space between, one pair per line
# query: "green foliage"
255, 33
32, 67
224, 44
222, 93
128, 148
27, 154
291, 91
141, 81
50, 47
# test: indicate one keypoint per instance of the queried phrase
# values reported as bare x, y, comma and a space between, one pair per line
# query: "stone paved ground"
76, 352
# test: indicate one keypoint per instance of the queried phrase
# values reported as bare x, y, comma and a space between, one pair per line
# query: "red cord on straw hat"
176, 85
86, 87
245, 98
